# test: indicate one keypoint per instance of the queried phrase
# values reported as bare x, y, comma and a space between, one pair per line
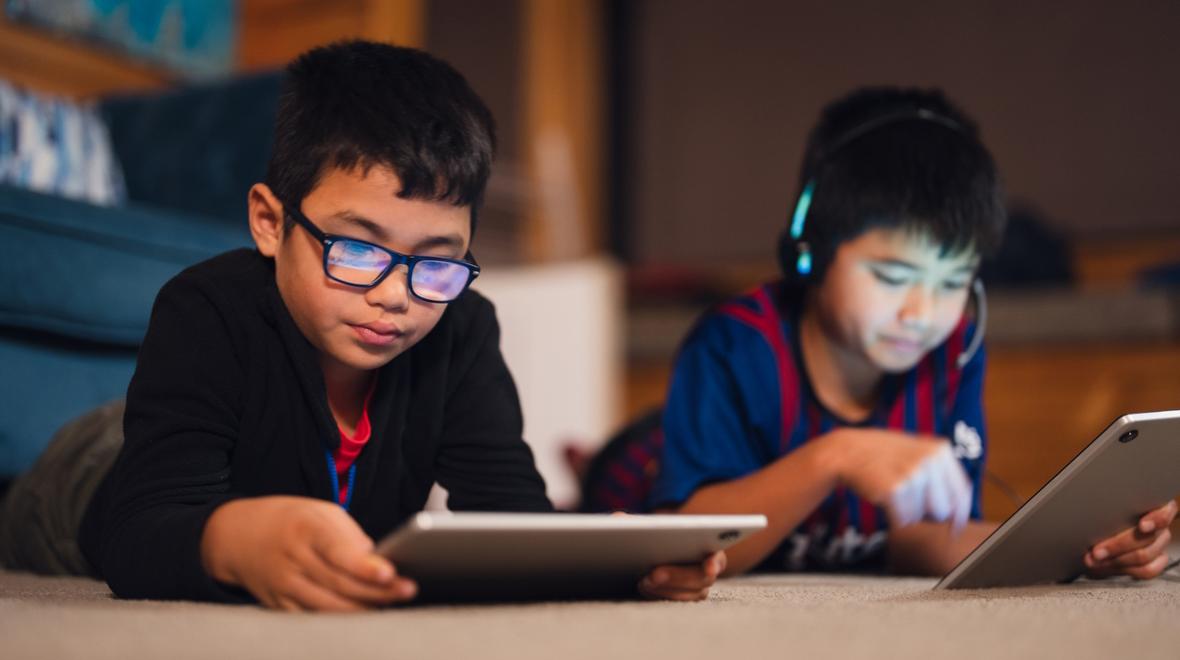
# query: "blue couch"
79, 280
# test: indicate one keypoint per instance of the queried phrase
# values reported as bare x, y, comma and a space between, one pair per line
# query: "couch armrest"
88, 272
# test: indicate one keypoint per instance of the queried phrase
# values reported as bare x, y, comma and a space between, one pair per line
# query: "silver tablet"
513, 556
1131, 468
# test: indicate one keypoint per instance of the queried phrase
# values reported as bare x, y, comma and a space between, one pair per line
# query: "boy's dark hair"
361, 103
896, 158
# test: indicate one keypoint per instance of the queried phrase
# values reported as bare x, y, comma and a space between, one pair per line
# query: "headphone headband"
870, 125
803, 262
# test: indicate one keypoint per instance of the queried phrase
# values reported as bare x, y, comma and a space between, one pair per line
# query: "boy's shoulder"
228, 285
242, 269
469, 319
766, 312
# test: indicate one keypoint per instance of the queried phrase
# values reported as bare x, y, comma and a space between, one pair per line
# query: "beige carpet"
813, 616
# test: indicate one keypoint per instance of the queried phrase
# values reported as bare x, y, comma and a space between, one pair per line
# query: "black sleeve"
143, 532
483, 460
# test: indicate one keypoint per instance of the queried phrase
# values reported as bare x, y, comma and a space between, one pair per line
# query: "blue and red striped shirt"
739, 399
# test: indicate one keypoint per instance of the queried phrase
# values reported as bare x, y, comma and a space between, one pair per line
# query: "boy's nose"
393, 292
918, 307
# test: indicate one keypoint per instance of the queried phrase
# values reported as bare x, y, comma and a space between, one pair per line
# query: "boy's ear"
266, 216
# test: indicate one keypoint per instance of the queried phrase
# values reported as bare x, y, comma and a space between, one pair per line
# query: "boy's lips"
904, 345
379, 334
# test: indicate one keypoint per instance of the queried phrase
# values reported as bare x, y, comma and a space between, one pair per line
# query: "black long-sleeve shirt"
228, 401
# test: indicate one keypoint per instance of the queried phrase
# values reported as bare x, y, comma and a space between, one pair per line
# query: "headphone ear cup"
794, 259
794, 254
803, 262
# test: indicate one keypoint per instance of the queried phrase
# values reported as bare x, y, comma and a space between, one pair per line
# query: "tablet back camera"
1129, 436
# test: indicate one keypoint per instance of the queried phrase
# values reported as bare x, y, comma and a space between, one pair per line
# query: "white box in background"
561, 331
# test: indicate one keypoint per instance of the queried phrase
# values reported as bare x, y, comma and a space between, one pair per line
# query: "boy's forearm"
155, 554
928, 548
786, 491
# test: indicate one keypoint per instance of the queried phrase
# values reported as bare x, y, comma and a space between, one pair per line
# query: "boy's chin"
895, 364
363, 359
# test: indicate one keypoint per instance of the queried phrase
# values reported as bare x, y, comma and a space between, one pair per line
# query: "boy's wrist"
831, 454
214, 544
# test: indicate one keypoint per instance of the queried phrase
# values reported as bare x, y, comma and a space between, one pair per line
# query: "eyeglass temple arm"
298, 216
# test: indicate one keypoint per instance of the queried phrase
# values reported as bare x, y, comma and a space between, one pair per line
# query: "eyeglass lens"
361, 264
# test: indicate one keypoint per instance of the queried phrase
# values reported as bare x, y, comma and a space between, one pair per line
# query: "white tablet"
1129, 469
514, 556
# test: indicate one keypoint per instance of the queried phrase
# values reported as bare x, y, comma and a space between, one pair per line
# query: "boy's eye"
956, 285
889, 279
354, 254
434, 266
355, 249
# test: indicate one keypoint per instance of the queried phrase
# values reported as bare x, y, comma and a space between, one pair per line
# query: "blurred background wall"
649, 153
1074, 99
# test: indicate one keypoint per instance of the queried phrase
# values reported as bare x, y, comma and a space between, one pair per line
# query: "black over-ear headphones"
795, 251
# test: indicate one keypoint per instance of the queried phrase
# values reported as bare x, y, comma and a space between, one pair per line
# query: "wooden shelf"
272, 32
47, 63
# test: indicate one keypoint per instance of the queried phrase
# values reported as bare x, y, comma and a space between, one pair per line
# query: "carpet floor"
798, 616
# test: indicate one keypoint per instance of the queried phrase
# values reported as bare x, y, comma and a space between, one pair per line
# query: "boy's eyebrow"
375, 230
447, 241
378, 232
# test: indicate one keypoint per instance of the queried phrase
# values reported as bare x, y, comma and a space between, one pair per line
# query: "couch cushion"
47, 382
56, 146
197, 148
87, 272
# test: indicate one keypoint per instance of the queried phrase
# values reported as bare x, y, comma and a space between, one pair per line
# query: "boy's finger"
713, 564
720, 561
1139, 557
1149, 571
1159, 518
962, 486
905, 502
1145, 572
963, 496
359, 561
680, 577
1121, 543
665, 592
346, 584
938, 493
952, 489
284, 603
268, 599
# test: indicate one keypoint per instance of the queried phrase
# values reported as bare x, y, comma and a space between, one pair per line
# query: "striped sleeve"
721, 419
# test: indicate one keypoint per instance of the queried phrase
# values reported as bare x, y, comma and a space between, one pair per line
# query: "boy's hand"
1139, 552
683, 581
298, 553
913, 477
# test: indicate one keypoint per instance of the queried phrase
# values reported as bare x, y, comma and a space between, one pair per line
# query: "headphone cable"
1004, 488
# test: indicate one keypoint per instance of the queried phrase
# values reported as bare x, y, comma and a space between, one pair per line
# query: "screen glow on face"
362, 264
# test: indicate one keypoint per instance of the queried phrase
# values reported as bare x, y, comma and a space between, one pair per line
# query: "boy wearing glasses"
293, 403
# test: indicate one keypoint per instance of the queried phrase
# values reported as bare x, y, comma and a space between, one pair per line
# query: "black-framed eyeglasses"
364, 265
